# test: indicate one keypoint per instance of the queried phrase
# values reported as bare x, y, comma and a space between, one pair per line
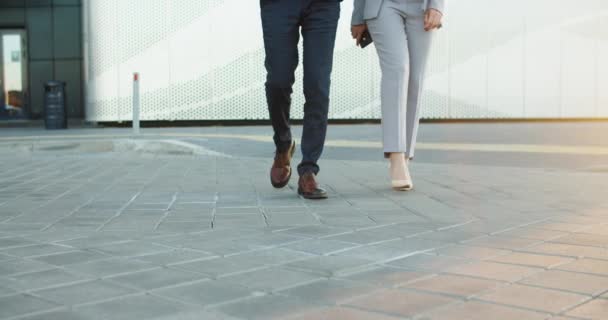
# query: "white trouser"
403, 47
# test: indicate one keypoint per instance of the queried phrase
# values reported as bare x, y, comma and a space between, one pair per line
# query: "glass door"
13, 80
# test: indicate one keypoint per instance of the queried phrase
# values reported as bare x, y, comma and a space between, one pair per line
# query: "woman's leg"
390, 39
388, 32
419, 44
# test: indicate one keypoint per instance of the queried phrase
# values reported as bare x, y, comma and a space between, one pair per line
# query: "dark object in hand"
366, 39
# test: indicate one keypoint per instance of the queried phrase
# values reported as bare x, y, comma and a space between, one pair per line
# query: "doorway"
13, 75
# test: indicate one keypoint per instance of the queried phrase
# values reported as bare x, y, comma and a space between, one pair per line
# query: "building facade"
203, 60
40, 40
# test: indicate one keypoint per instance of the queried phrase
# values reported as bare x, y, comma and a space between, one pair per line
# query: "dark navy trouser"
282, 21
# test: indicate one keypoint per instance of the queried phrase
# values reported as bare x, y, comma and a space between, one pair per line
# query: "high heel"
402, 184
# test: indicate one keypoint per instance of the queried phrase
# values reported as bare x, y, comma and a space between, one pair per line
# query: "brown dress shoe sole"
313, 196
281, 185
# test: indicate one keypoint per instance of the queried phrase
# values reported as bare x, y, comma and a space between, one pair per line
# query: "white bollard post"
136, 110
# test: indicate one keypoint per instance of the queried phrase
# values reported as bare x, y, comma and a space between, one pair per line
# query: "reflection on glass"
12, 105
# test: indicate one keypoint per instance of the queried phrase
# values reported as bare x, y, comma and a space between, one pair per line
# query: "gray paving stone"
278, 210
222, 248
131, 223
175, 256
237, 210
157, 278
386, 276
85, 292
331, 292
378, 253
243, 262
82, 221
44, 279
4, 257
496, 225
291, 220
93, 241
347, 221
184, 226
272, 279
148, 206
451, 236
202, 208
267, 308
8, 242
219, 267
240, 220
272, 240
364, 237
271, 257
72, 257
206, 293
58, 315
17, 305
416, 244
4, 291
427, 262
329, 266
18, 266
320, 246
110, 267
132, 249
36, 250
175, 219
55, 236
144, 307
317, 231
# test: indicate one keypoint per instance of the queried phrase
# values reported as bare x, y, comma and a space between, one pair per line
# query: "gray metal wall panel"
66, 2
12, 4
67, 33
38, 3
40, 33
12, 17
40, 72
70, 72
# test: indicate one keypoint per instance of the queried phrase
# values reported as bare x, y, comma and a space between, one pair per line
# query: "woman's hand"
432, 19
357, 32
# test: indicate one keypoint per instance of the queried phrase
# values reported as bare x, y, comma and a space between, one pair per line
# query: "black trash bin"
55, 113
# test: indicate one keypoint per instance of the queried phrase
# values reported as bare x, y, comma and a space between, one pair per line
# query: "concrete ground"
508, 221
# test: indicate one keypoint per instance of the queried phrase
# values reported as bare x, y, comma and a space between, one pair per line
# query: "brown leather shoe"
280, 173
309, 188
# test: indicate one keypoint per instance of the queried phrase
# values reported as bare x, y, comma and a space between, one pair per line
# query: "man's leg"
280, 22
319, 26
280, 19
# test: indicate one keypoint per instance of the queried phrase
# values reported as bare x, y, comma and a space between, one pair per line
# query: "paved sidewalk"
93, 234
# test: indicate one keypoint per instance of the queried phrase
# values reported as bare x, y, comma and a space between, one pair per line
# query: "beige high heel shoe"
402, 184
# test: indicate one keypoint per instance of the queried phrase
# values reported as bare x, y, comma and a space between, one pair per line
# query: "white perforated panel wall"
203, 60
